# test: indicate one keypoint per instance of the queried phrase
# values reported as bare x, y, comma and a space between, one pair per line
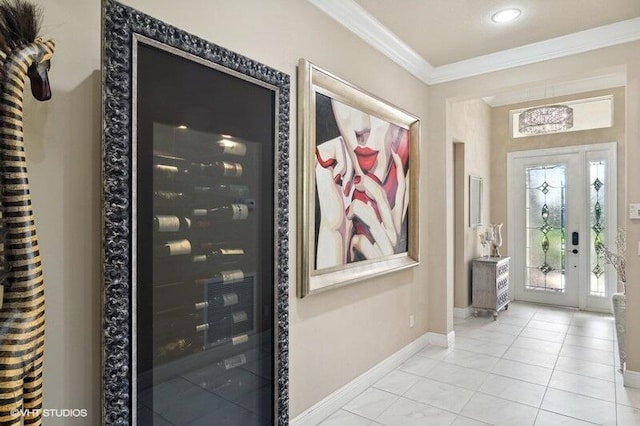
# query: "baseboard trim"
323, 409
463, 313
442, 340
632, 379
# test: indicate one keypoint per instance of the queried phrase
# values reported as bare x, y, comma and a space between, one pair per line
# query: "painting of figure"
362, 191
358, 194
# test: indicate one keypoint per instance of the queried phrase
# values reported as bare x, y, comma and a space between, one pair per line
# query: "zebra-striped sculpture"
22, 312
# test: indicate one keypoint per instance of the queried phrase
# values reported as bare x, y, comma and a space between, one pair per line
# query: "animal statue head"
19, 29
22, 54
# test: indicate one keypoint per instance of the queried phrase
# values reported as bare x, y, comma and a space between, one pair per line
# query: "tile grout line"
476, 391
553, 370
402, 395
547, 387
418, 401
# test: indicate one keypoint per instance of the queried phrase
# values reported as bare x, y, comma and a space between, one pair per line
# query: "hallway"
535, 365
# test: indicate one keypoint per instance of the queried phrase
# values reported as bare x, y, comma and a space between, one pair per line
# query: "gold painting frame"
401, 226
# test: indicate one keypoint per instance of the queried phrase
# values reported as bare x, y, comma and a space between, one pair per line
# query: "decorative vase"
497, 240
619, 301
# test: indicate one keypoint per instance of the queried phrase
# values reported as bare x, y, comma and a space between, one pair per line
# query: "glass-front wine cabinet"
205, 326
205, 246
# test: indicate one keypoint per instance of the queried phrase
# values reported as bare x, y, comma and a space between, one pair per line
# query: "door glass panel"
598, 188
545, 222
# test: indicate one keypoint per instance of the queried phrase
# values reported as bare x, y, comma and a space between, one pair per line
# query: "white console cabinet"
490, 283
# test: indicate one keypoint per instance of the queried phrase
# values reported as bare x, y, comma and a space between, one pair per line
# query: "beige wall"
503, 143
599, 62
62, 139
471, 126
460, 204
633, 196
334, 336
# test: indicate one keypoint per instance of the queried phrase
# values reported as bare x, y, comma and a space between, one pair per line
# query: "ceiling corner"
357, 20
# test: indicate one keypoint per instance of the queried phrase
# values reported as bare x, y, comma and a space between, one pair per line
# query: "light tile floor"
535, 365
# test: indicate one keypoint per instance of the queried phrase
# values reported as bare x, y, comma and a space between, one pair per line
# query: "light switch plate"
634, 211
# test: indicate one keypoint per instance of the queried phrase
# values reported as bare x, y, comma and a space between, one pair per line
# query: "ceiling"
446, 31
444, 40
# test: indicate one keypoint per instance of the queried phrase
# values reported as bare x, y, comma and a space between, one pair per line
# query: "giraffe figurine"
22, 313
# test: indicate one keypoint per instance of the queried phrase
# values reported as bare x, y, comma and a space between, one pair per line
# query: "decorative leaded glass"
597, 177
545, 222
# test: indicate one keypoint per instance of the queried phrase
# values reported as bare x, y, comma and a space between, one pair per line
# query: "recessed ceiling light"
181, 127
506, 15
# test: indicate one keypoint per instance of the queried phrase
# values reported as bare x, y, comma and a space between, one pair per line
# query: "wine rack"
195, 238
205, 308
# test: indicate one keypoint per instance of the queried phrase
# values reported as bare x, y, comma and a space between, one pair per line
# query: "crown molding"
571, 44
590, 84
357, 20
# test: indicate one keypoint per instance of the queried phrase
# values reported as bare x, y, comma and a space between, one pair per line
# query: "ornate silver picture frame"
358, 183
125, 28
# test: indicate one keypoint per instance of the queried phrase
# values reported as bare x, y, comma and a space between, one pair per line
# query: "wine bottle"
219, 301
233, 211
229, 147
223, 189
183, 170
233, 362
173, 248
217, 169
224, 277
202, 193
170, 223
169, 325
207, 143
227, 169
176, 348
226, 321
169, 311
165, 198
175, 296
238, 340
222, 255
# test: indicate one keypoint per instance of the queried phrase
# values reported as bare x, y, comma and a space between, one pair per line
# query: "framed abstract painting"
358, 183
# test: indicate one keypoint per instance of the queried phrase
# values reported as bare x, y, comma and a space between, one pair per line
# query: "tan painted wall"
460, 202
471, 125
62, 139
633, 196
334, 336
599, 62
503, 143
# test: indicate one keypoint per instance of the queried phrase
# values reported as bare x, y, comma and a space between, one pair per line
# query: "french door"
562, 209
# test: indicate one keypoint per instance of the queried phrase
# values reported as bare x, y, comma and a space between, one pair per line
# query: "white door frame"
606, 151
